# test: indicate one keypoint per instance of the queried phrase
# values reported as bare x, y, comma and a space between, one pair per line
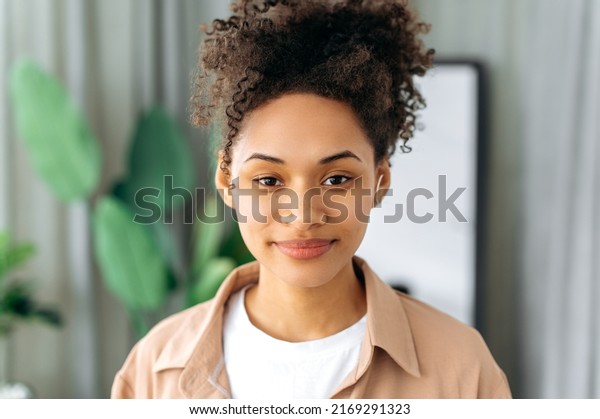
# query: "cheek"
253, 215
351, 207
254, 236
252, 205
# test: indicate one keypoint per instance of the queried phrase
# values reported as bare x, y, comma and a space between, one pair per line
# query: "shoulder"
182, 326
445, 344
167, 345
431, 325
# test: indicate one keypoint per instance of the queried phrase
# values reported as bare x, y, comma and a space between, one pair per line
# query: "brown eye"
268, 181
336, 180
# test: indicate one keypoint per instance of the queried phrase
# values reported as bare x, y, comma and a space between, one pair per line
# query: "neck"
297, 314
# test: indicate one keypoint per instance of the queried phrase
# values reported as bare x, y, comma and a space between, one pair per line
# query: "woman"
313, 98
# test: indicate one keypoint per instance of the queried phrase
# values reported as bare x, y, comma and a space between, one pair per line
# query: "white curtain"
560, 257
543, 249
116, 58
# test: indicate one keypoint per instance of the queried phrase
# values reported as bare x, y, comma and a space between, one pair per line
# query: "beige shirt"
411, 350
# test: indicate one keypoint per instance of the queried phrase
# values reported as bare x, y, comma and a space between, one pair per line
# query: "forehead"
301, 126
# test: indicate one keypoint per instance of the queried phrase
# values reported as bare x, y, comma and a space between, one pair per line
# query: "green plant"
60, 145
138, 261
16, 296
217, 250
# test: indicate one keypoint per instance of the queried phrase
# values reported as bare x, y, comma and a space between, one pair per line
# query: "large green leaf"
158, 150
207, 238
167, 247
163, 238
131, 263
60, 145
210, 279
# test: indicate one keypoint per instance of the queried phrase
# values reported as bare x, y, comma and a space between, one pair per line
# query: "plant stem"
139, 324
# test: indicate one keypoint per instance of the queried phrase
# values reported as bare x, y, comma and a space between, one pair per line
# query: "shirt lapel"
387, 323
387, 328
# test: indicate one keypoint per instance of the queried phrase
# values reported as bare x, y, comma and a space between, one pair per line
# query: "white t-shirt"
262, 367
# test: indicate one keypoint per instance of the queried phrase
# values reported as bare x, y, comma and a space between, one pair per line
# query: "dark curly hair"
363, 53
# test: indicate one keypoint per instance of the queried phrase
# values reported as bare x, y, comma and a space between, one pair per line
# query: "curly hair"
362, 53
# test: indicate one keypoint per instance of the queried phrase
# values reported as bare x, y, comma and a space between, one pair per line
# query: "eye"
336, 180
268, 181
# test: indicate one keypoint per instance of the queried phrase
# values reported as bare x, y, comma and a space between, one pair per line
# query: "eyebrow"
342, 155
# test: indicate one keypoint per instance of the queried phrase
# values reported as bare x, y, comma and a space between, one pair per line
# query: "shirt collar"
197, 345
387, 323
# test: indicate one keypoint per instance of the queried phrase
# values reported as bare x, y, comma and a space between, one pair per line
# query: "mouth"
305, 249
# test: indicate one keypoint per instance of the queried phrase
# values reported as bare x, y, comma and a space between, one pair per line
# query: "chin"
308, 273
307, 279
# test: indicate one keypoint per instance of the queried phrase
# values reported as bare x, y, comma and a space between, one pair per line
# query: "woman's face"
305, 176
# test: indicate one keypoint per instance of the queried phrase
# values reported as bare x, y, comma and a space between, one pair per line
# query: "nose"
306, 211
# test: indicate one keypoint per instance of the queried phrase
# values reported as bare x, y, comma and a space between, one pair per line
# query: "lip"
305, 249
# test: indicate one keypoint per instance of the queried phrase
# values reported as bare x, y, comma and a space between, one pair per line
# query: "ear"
222, 182
382, 172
